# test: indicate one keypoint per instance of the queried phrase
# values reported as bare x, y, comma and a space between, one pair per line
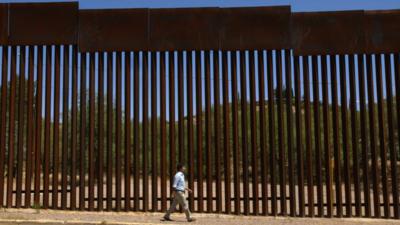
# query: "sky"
297, 5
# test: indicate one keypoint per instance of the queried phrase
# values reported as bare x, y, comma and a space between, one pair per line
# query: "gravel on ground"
40, 216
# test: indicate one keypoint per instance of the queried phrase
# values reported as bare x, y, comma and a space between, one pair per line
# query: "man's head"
180, 167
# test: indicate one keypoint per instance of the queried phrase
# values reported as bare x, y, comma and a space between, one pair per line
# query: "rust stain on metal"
3, 23
327, 32
113, 30
382, 31
184, 29
255, 28
43, 24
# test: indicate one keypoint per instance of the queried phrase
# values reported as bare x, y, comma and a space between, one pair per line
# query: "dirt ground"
33, 216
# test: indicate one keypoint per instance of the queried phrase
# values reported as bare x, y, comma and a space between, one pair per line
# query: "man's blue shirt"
179, 182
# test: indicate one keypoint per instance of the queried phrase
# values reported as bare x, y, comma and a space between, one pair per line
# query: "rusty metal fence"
273, 112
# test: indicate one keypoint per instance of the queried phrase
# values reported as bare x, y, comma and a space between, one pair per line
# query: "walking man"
178, 193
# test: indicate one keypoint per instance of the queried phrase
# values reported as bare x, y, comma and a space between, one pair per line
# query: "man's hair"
179, 166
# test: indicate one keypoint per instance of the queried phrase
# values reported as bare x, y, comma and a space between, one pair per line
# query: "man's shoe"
191, 220
167, 218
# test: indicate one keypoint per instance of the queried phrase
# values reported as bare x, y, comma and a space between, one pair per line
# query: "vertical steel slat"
281, 136
336, 146
226, 133
118, 132
145, 131
10, 165
271, 117
397, 80
128, 154
91, 129
64, 147
393, 154
263, 147
243, 96
199, 131
327, 148
46, 169
74, 125
289, 117
300, 166
375, 178
29, 132
4, 88
217, 129
11, 135
245, 164
355, 137
290, 135
190, 125
65, 110
317, 136
253, 137
47, 131
208, 129
345, 144
309, 164
56, 128
382, 134
136, 130
11, 117
82, 141
109, 129
38, 136
154, 131
235, 135
20, 142
100, 149
364, 142
163, 133
172, 147
181, 141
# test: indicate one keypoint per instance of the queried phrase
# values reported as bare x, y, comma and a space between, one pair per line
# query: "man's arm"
188, 189
175, 183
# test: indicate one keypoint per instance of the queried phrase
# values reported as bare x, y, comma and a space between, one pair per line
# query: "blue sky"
297, 5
